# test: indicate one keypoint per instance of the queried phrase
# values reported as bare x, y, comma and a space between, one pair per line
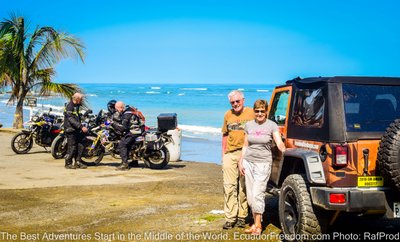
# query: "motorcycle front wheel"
93, 156
157, 159
21, 143
59, 147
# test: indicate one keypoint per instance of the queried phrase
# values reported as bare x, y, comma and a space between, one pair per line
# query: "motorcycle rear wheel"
157, 159
20, 143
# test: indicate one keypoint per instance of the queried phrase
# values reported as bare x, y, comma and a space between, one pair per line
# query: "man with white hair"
129, 126
235, 202
74, 131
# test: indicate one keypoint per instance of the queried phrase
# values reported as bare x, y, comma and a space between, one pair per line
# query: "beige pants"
235, 206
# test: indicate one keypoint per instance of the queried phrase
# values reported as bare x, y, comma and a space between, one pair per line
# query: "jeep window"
309, 108
278, 107
370, 108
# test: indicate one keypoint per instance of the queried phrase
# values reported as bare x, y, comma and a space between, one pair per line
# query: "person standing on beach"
75, 132
256, 160
235, 203
129, 126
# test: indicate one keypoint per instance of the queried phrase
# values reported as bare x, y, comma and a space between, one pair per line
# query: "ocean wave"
152, 92
193, 88
155, 88
262, 90
181, 94
200, 129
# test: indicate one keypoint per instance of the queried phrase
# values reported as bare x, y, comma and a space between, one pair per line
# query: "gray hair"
235, 92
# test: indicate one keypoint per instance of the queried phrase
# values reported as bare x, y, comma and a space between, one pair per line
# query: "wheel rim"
62, 148
291, 213
22, 143
157, 157
91, 156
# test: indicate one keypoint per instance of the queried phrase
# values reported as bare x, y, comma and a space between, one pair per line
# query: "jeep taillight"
337, 198
341, 155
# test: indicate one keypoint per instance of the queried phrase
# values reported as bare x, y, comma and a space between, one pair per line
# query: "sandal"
251, 229
257, 231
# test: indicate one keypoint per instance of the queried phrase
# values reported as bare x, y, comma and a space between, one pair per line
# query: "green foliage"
211, 217
27, 61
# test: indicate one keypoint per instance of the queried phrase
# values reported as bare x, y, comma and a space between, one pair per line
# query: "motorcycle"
59, 144
150, 147
43, 129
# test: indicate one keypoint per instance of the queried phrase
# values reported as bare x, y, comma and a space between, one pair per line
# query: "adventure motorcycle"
43, 129
59, 144
150, 147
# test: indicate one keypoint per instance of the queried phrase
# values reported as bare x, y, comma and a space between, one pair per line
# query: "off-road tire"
158, 160
389, 155
19, 143
95, 157
59, 147
296, 212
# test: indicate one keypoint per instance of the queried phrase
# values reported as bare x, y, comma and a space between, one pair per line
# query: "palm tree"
27, 61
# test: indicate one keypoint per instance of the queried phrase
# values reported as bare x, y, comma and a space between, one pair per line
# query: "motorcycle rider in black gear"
111, 107
129, 126
74, 131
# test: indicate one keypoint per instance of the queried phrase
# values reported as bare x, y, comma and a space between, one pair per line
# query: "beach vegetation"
211, 217
27, 61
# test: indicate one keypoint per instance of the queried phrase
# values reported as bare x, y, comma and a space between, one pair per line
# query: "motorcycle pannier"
167, 121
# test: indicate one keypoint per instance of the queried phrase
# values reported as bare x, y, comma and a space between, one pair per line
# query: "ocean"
199, 107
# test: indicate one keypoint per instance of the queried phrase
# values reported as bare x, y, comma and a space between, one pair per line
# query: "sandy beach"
42, 201
39, 197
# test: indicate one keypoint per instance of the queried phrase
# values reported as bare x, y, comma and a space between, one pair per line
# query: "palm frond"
56, 47
64, 89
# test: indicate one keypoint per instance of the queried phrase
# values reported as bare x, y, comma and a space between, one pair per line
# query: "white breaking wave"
155, 88
200, 129
194, 88
152, 92
261, 90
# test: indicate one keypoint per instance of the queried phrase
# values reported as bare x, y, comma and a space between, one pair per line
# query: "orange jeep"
343, 153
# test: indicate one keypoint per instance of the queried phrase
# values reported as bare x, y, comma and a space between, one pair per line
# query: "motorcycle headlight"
35, 118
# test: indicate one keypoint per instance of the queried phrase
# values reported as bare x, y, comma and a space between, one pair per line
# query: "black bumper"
357, 200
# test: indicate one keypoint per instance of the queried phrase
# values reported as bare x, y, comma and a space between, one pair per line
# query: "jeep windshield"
370, 108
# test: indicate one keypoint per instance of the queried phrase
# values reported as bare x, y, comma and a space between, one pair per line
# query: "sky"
211, 41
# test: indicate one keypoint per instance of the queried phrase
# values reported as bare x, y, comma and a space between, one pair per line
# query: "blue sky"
221, 41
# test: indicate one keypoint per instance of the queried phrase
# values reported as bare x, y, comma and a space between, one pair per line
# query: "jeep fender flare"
311, 161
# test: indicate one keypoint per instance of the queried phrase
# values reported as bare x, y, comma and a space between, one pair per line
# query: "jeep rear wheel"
296, 213
389, 155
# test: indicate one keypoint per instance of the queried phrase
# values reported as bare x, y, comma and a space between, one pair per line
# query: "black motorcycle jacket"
127, 122
72, 118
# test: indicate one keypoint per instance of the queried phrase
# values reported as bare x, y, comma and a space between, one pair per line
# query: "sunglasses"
259, 111
236, 101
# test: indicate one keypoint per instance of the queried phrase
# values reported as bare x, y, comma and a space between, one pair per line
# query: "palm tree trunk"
19, 113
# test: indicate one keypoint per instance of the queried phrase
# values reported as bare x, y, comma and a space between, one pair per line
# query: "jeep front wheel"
296, 213
389, 155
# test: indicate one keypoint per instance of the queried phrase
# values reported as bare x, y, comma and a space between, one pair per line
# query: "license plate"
396, 209
370, 181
